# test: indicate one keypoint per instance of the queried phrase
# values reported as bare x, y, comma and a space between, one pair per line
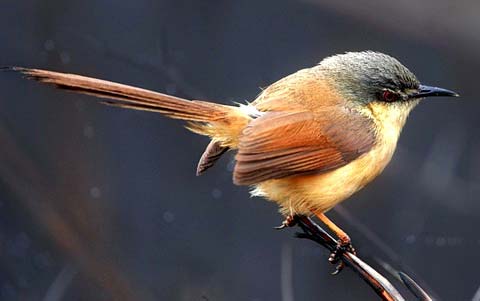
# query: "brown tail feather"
222, 123
212, 153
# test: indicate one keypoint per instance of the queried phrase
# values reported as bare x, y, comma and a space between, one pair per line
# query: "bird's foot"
290, 221
343, 245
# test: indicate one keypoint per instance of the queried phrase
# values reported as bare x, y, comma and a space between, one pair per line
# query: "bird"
307, 141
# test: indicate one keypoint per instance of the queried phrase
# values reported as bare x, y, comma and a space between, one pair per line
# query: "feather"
283, 144
212, 153
221, 122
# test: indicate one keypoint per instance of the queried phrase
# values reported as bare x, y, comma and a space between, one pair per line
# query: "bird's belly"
320, 192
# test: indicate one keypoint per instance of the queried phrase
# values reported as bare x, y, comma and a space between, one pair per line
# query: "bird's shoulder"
306, 90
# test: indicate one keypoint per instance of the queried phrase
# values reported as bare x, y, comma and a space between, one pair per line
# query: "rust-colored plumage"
303, 127
212, 153
283, 144
214, 120
307, 142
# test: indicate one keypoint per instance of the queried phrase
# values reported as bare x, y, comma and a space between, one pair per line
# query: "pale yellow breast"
304, 194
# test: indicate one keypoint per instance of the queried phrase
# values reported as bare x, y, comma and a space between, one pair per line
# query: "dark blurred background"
98, 203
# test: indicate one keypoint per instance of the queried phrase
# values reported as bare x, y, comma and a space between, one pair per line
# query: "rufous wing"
284, 144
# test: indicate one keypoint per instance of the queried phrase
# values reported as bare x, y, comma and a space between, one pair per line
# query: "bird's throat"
389, 119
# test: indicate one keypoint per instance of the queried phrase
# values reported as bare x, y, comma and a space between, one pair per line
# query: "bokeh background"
98, 203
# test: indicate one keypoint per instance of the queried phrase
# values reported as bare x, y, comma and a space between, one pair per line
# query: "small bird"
307, 142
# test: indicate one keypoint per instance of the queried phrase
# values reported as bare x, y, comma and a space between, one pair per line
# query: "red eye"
389, 96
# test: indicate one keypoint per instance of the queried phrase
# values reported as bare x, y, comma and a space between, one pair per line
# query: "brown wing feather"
283, 144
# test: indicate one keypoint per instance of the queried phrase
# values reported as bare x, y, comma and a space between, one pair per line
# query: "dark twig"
414, 287
375, 280
382, 287
393, 258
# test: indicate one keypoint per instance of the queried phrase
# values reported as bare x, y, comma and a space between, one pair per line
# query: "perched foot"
290, 221
344, 243
342, 247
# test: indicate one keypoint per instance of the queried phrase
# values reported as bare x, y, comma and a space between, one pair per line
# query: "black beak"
426, 91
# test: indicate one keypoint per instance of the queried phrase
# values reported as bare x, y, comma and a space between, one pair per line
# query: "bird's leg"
344, 241
290, 221
343, 237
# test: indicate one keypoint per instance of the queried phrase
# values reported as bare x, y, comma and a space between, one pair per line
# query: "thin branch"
382, 287
412, 286
286, 276
393, 258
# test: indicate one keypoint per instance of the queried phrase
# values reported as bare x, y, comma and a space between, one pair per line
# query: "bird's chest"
337, 185
320, 192
326, 190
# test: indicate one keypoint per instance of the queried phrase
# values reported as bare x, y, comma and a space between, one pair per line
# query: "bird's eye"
389, 96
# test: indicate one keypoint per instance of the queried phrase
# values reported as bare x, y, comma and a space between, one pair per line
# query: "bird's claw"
335, 256
289, 221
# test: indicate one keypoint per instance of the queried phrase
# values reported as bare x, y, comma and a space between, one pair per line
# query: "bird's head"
368, 76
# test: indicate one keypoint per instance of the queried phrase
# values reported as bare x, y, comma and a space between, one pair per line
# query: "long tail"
220, 122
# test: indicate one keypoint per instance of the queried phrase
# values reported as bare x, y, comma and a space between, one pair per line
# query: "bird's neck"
390, 118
